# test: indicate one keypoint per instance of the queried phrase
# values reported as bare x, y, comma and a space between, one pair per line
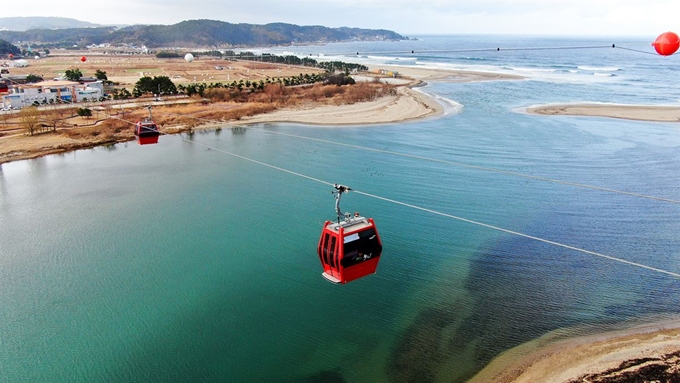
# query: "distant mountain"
198, 33
26, 23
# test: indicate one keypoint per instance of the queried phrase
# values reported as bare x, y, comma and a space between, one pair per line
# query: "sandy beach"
651, 350
628, 112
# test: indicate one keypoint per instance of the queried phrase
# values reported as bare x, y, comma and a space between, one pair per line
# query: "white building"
18, 63
51, 92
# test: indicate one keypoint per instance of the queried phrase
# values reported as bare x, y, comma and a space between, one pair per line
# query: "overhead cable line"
497, 228
460, 164
483, 168
436, 212
454, 163
426, 51
263, 57
432, 211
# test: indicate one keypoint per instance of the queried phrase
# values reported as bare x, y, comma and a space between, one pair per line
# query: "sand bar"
628, 112
406, 105
592, 358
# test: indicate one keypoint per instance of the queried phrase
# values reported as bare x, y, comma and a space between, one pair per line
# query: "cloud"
575, 17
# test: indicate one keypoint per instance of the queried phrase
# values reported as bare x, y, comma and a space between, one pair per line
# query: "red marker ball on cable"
667, 43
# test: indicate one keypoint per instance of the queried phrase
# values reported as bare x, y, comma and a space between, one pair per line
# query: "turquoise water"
174, 262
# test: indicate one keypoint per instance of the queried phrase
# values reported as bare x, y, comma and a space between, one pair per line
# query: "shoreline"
651, 113
407, 105
607, 356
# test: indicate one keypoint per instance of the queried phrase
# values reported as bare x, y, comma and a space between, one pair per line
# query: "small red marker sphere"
667, 43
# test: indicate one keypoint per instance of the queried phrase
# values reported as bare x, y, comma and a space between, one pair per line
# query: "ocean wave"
549, 74
451, 107
335, 58
530, 70
287, 53
389, 58
598, 68
452, 66
403, 59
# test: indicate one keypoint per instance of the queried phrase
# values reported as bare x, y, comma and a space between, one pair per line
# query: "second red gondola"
146, 132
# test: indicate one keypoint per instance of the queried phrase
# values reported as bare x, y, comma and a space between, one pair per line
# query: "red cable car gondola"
349, 248
146, 132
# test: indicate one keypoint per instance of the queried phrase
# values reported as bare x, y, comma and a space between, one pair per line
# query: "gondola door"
329, 251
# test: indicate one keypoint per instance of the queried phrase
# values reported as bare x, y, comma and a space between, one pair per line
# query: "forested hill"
7, 48
198, 33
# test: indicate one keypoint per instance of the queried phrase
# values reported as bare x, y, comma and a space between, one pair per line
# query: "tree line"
330, 66
164, 85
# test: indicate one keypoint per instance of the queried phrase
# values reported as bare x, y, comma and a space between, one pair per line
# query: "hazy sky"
409, 17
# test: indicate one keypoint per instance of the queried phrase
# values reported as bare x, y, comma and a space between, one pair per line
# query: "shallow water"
174, 262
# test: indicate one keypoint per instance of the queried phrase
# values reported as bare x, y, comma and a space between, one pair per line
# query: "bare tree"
274, 92
30, 119
5, 117
54, 118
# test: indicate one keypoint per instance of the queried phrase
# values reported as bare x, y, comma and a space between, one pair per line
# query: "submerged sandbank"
601, 357
628, 112
448, 75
